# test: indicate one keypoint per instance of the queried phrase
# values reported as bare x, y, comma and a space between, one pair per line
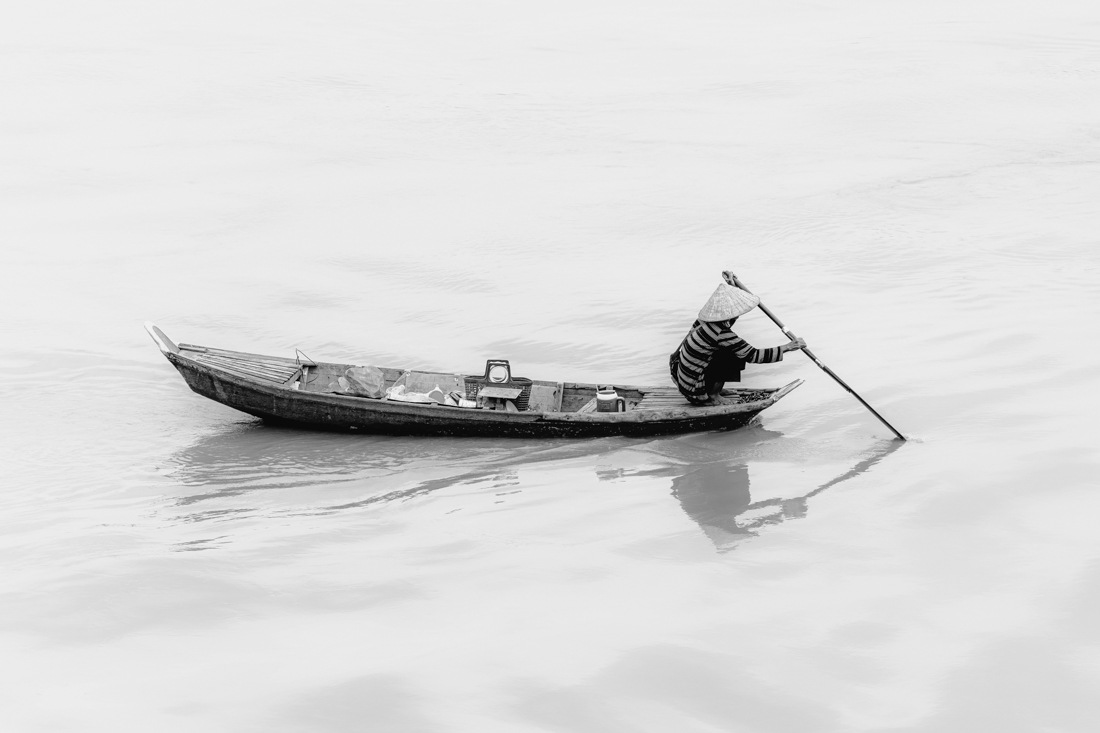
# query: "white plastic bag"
398, 393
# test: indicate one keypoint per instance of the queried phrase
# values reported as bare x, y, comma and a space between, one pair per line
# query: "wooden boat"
307, 394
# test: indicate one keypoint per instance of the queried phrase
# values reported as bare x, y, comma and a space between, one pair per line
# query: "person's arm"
753, 355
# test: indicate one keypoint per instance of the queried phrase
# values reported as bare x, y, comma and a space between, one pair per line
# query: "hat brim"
728, 302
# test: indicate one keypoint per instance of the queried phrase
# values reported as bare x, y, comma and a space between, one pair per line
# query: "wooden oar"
732, 280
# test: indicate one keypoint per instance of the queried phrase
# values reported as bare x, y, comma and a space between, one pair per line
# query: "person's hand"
795, 344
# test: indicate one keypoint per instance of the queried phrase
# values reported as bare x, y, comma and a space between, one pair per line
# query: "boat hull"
308, 395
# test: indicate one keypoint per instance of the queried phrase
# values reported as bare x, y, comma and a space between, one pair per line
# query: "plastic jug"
608, 400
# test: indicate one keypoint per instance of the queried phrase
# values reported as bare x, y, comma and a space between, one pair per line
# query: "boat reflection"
709, 471
253, 457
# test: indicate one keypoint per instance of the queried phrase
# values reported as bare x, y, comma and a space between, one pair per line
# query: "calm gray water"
912, 187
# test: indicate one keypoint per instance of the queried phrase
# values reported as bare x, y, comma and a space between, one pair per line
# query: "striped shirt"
689, 363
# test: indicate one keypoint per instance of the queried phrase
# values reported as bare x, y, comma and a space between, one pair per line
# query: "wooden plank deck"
663, 398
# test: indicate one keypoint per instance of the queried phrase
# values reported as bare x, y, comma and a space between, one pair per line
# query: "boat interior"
543, 396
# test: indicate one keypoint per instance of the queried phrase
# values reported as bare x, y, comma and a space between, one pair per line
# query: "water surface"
912, 188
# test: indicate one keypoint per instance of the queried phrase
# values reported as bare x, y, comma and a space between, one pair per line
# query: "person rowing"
712, 354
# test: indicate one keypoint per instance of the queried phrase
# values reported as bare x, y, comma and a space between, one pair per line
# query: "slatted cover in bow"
250, 367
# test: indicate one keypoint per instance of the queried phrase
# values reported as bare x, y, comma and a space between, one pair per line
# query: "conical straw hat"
728, 302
